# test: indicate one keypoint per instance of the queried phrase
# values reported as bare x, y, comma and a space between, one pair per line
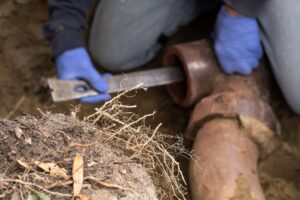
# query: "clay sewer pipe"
232, 125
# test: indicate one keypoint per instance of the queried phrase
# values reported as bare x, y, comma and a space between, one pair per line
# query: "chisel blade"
64, 90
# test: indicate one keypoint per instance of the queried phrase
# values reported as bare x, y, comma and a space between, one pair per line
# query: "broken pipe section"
232, 125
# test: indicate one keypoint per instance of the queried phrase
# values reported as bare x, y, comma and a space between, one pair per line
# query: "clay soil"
25, 60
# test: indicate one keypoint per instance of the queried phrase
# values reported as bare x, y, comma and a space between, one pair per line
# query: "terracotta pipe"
201, 70
245, 98
232, 129
199, 66
233, 126
224, 167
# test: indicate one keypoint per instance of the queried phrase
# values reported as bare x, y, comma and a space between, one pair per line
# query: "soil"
25, 59
57, 139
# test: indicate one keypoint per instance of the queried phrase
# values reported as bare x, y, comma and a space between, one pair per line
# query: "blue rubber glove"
75, 64
237, 43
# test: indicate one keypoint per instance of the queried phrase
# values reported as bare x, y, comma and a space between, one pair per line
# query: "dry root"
156, 151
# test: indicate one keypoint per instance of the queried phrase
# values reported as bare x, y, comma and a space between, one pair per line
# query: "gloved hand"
76, 64
237, 43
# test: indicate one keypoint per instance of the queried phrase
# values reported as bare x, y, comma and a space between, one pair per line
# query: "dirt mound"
57, 139
120, 152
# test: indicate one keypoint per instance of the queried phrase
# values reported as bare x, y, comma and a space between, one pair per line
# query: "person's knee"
120, 62
290, 85
293, 99
286, 72
120, 59
280, 36
108, 61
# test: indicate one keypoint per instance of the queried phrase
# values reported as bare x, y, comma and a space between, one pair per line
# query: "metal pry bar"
64, 90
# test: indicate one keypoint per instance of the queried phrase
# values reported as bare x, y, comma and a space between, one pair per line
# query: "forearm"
66, 24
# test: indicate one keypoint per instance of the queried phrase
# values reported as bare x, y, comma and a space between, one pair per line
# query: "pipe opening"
178, 91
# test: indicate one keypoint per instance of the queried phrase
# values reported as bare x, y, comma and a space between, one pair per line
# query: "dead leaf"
18, 132
52, 168
15, 196
23, 164
77, 173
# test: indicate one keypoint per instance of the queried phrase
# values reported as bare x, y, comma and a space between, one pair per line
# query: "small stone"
122, 170
28, 140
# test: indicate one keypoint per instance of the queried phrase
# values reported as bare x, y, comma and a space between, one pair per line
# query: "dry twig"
107, 185
37, 186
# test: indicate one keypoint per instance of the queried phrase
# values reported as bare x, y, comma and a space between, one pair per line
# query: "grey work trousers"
125, 32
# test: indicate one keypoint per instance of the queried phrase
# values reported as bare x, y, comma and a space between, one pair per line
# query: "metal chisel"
64, 90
